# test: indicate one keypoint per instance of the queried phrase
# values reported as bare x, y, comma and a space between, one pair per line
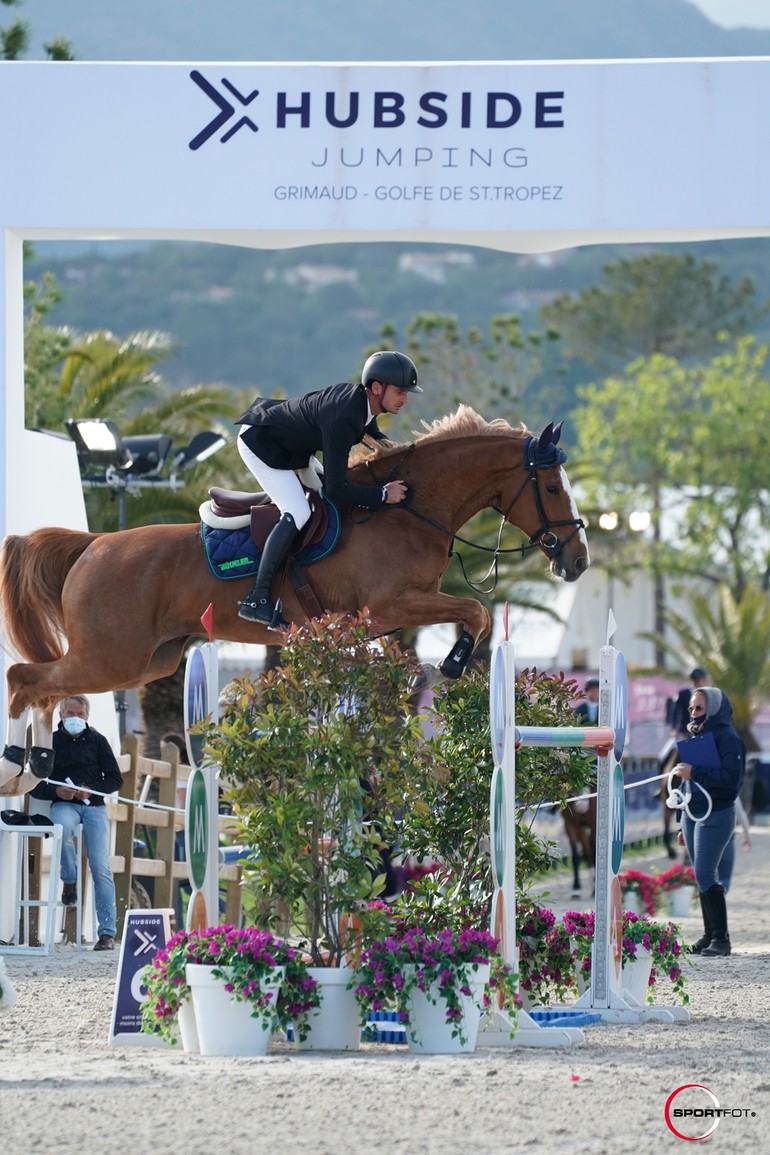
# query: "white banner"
383, 149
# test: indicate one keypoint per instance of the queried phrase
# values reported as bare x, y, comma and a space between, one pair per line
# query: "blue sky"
736, 13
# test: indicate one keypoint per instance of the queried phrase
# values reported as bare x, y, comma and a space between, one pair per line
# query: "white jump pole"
201, 703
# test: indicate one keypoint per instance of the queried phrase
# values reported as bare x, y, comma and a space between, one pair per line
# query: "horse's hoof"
576, 894
426, 678
453, 665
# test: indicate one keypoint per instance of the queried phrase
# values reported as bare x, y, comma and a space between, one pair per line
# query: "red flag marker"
208, 621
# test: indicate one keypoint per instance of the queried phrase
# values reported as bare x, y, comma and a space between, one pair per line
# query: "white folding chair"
23, 903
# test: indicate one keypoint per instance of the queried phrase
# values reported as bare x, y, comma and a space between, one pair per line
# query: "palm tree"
730, 637
100, 375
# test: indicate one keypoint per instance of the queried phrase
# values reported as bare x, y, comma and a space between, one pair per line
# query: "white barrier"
606, 994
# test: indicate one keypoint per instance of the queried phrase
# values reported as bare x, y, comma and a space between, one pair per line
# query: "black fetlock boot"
720, 939
705, 939
259, 605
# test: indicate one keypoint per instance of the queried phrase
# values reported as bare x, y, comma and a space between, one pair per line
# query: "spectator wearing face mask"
83, 761
708, 821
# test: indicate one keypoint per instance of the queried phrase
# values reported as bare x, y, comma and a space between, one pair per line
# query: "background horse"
580, 828
90, 613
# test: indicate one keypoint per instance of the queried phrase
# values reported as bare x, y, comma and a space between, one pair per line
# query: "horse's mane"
464, 422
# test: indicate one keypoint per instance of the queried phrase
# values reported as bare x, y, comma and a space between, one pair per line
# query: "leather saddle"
233, 509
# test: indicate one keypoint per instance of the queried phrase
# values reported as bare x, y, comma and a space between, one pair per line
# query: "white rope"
586, 797
119, 798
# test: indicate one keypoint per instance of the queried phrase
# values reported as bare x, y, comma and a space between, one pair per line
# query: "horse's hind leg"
418, 608
21, 781
14, 755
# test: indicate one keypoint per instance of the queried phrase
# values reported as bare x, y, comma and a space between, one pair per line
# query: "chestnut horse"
580, 828
94, 612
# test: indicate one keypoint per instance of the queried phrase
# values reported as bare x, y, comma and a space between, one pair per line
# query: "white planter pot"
226, 1027
529, 1001
429, 1032
636, 975
188, 1029
680, 901
632, 902
335, 1025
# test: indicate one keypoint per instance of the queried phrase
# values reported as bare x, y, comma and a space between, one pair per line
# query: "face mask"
74, 726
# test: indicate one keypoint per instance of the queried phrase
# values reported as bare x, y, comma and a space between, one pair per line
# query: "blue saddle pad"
232, 554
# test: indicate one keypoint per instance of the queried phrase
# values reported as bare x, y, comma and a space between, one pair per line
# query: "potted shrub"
661, 941
546, 960
439, 979
641, 935
318, 753
245, 966
679, 888
580, 926
640, 891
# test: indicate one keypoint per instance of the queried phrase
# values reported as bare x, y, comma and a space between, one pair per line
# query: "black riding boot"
720, 939
259, 605
708, 933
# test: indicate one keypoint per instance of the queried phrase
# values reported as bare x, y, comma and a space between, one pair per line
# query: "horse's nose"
581, 564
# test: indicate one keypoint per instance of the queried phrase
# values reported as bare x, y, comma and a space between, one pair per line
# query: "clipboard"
701, 750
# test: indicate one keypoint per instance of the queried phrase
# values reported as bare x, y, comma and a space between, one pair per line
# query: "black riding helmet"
391, 368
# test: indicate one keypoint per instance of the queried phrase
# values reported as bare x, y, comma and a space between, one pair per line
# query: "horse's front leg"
417, 608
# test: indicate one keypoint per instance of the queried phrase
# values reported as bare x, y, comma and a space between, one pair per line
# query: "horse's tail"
33, 570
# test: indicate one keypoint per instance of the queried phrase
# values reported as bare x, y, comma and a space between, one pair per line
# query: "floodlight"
98, 443
202, 446
148, 452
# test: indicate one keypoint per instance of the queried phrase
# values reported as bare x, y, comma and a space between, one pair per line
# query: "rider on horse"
278, 438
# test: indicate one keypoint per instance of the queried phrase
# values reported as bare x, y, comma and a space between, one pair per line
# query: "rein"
543, 538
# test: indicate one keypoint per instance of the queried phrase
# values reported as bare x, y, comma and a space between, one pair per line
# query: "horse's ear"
556, 433
545, 438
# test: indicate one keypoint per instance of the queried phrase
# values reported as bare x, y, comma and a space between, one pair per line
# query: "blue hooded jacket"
723, 783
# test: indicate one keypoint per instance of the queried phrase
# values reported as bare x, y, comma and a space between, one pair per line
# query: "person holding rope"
708, 813
278, 440
84, 761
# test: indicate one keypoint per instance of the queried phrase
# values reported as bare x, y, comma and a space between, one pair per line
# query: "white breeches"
282, 485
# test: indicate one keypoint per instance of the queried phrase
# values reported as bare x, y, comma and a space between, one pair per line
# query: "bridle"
543, 538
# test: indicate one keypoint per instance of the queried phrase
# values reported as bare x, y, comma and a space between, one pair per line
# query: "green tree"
726, 521
14, 40
667, 303
494, 372
730, 637
692, 456
100, 375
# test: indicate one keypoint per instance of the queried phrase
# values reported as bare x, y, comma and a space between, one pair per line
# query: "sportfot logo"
693, 1112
